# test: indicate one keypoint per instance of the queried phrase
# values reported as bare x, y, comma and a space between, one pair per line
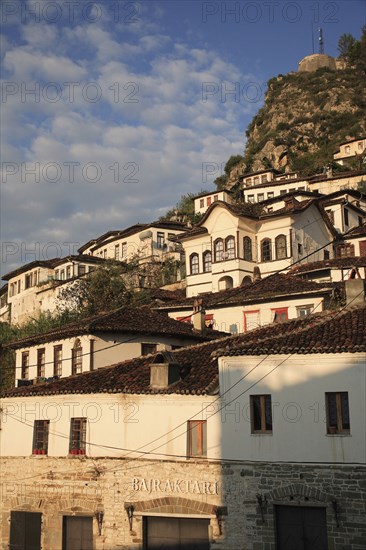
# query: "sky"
112, 110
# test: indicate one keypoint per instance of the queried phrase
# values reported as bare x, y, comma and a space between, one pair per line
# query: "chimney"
199, 316
164, 371
355, 292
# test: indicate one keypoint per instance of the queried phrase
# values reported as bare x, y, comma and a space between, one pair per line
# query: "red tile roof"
330, 332
141, 320
267, 288
334, 263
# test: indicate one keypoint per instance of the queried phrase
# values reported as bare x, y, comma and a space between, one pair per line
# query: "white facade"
350, 149
203, 202
297, 385
275, 243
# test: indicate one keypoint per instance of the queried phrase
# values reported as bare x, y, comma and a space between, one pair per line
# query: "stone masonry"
239, 499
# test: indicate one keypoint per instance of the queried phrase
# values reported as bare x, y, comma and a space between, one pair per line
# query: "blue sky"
111, 111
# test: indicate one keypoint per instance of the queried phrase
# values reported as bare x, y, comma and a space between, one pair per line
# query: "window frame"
205, 262
77, 442
263, 430
279, 311
247, 250
57, 361
147, 348
306, 307
160, 238
281, 247
269, 249
77, 358
25, 365
197, 429
41, 362
337, 429
194, 264
229, 248
218, 253
40, 437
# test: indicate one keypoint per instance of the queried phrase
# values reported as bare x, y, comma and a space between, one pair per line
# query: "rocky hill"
305, 117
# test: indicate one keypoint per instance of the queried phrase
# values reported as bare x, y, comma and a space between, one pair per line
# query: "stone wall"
229, 496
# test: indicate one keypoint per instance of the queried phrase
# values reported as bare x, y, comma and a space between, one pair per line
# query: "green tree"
346, 44
221, 181
103, 290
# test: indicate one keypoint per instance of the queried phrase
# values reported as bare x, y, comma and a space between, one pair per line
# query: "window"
197, 438
82, 270
283, 191
57, 360
41, 362
360, 146
264, 178
270, 195
345, 250
260, 197
160, 239
256, 180
40, 437
202, 203
62, 274
77, 358
280, 314
68, 272
359, 219
248, 249
218, 250
208, 201
251, 198
194, 264
266, 251
124, 250
330, 215
346, 217
337, 409
249, 182
216, 198
261, 414
116, 252
230, 248
146, 349
207, 261
25, 364
347, 148
251, 320
299, 249
326, 254
105, 253
78, 436
280, 244
304, 311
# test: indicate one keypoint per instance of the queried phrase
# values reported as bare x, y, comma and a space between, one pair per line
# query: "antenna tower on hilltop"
321, 41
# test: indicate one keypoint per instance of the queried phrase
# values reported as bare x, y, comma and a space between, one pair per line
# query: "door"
301, 528
176, 534
25, 531
77, 533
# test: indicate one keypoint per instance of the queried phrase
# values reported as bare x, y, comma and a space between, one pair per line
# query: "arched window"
281, 248
194, 264
246, 281
248, 249
207, 261
266, 250
218, 250
230, 248
77, 358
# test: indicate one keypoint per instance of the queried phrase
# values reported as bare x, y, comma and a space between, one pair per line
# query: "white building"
232, 244
350, 150
269, 300
236, 443
98, 341
142, 242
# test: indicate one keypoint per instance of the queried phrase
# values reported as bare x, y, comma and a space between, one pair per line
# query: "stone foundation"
239, 500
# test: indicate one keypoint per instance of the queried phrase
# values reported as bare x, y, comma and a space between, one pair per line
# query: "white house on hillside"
101, 340
232, 244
